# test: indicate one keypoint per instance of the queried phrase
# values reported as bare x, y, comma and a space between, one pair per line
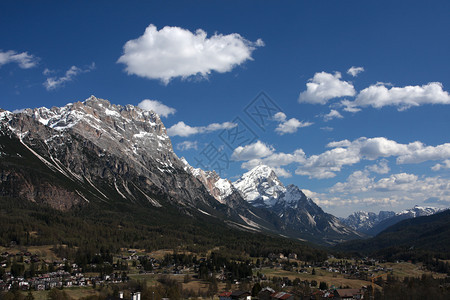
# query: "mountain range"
96, 153
372, 224
413, 238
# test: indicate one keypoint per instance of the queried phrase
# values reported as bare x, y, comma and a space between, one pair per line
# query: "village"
277, 276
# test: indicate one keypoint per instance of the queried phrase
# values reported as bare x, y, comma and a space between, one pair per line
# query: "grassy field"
44, 252
75, 293
321, 275
405, 269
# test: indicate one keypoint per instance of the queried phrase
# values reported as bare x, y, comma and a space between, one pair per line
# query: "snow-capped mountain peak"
260, 186
419, 211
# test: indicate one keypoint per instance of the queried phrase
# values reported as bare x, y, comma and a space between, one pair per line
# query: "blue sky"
374, 137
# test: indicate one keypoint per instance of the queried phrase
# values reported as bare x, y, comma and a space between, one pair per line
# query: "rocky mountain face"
371, 223
106, 147
95, 152
296, 212
363, 221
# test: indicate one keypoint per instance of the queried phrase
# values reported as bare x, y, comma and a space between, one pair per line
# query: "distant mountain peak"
372, 223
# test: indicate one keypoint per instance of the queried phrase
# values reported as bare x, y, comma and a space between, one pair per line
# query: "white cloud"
380, 168
401, 181
288, 126
281, 172
333, 114
390, 201
280, 116
176, 52
276, 160
187, 145
47, 71
445, 165
56, 82
291, 126
24, 60
310, 194
354, 71
156, 106
418, 152
350, 106
327, 128
360, 188
184, 130
357, 182
402, 97
251, 151
325, 86
335, 144
345, 153
400, 184
326, 165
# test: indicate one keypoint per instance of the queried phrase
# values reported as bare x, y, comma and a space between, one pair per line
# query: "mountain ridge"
371, 223
116, 153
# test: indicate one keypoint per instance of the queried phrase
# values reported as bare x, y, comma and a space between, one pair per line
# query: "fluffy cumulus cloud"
381, 168
184, 130
176, 52
354, 71
401, 185
277, 161
380, 95
24, 60
325, 86
187, 145
56, 82
288, 125
281, 172
326, 165
361, 188
445, 165
158, 107
350, 106
333, 114
346, 153
361, 181
251, 151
